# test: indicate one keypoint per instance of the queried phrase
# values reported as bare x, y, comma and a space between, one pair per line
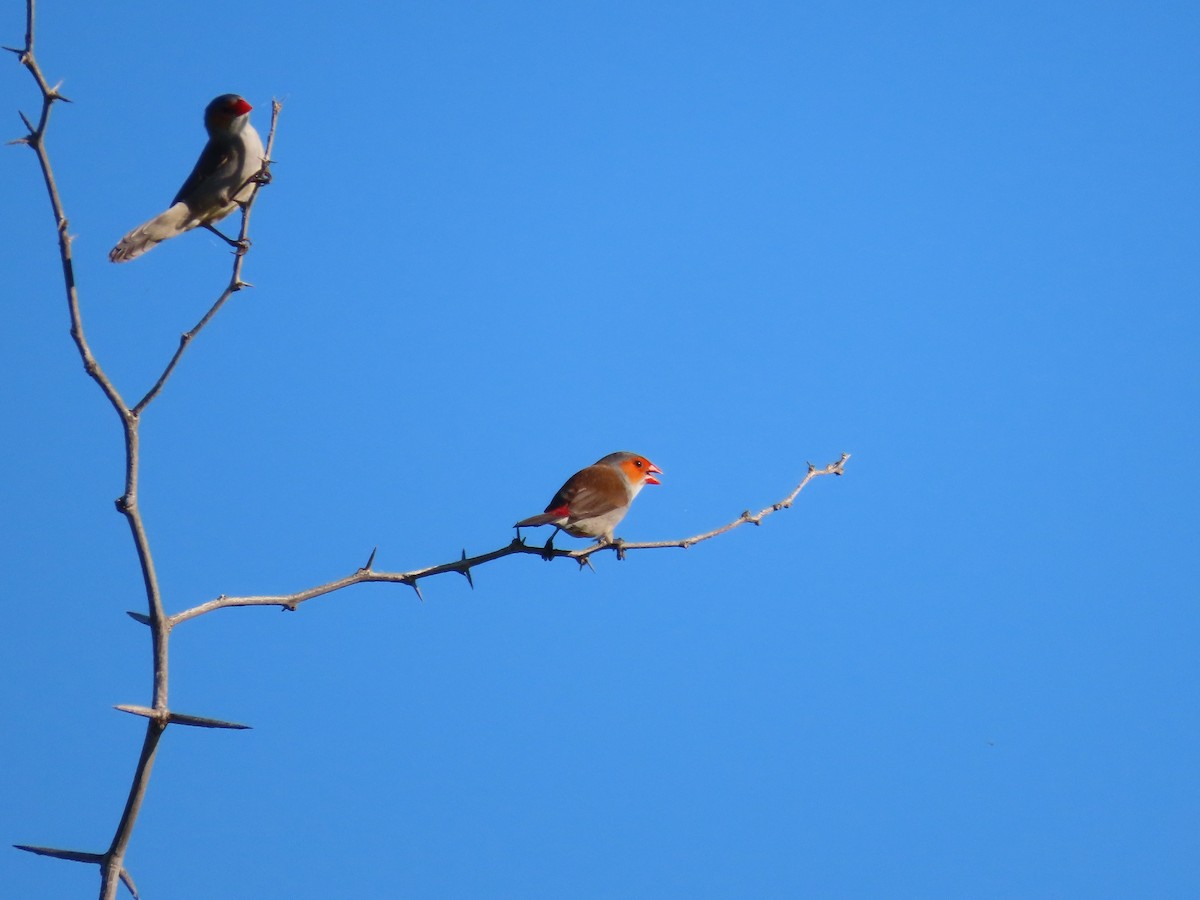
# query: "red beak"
242, 107
650, 479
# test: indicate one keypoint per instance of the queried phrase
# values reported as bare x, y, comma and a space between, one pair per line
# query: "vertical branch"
112, 861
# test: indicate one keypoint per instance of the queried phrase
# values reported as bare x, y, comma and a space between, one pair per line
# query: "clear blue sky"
957, 241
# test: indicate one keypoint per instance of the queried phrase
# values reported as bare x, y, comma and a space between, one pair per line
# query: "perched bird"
219, 182
595, 499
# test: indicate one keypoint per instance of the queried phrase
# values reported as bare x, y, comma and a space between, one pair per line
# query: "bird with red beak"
221, 180
595, 499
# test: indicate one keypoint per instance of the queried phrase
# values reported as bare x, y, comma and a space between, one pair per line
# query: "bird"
219, 183
596, 498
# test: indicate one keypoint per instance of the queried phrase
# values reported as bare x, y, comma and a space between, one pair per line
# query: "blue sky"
503, 240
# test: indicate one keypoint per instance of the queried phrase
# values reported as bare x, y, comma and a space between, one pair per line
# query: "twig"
464, 565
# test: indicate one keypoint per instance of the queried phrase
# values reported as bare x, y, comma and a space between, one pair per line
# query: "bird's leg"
241, 246
548, 550
620, 545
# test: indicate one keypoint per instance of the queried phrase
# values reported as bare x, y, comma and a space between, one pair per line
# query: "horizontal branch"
463, 565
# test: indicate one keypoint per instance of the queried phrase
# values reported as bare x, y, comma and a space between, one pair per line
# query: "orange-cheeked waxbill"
595, 499
219, 183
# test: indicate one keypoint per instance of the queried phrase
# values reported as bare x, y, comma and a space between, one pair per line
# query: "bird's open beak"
650, 472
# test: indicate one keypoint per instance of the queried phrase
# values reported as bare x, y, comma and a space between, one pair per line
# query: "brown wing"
590, 492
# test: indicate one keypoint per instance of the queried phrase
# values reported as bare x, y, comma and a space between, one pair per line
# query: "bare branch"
518, 546
158, 714
36, 139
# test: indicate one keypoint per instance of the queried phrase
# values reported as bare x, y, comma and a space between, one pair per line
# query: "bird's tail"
165, 225
546, 518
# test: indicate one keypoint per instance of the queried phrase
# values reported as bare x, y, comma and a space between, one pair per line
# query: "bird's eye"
638, 463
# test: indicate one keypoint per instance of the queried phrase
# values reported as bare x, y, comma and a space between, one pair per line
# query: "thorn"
239, 284
586, 561
811, 467
53, 94
416, 587
204, 722
138, 617
20, 140
127, 879
370, 559
19, 53
25, 119
166, 716
73, 855
144, 711
467, 571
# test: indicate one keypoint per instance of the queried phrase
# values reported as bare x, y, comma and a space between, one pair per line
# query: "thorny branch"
112, 861
465, 564
158, 715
